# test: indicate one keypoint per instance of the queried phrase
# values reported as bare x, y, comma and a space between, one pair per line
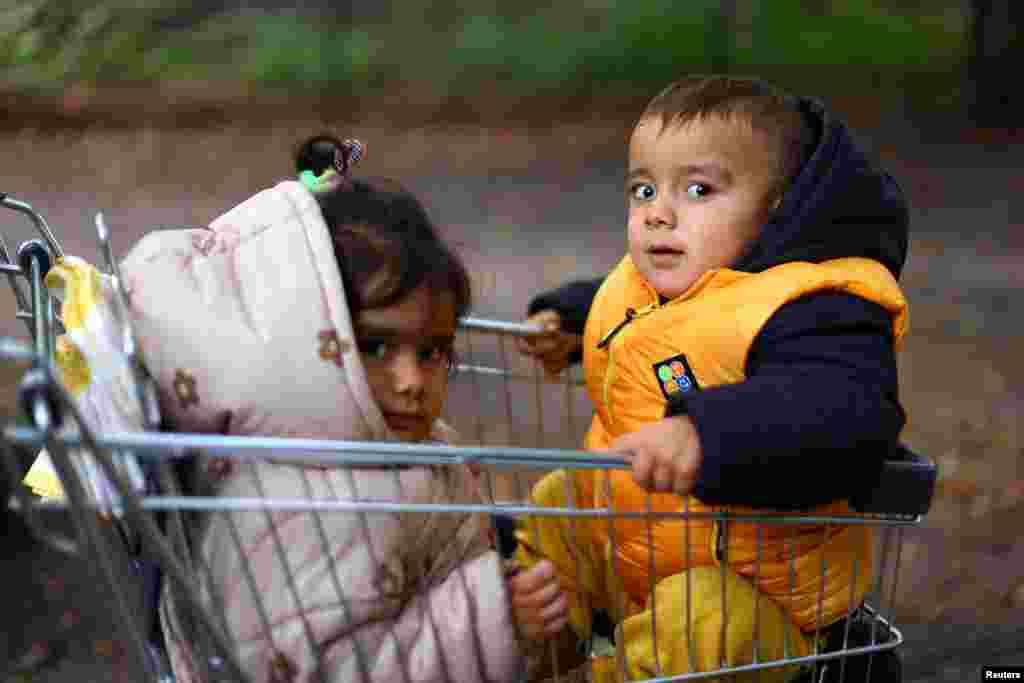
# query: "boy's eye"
698, 190
643, 192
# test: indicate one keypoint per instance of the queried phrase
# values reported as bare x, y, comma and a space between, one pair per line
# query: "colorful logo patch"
675, 376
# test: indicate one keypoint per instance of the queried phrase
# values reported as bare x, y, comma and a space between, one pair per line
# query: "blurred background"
510, 119
916, 54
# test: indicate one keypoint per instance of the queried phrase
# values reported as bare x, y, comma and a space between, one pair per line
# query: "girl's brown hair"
379, 229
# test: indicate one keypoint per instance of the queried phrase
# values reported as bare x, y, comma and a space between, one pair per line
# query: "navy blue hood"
840, 205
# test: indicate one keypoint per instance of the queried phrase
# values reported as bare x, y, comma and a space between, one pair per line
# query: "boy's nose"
660, 215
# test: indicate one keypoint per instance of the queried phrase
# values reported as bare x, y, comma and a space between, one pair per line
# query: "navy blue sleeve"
571, 300
815, 417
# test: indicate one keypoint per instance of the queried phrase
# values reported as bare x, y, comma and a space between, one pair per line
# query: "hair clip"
347, 156
309, 179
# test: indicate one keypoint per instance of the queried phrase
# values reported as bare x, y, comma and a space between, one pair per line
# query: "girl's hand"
665, 455
553, 346
540, 607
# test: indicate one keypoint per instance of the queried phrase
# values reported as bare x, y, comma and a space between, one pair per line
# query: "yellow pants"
681, 628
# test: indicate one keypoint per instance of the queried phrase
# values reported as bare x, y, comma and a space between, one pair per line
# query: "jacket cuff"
572, 301
677, 406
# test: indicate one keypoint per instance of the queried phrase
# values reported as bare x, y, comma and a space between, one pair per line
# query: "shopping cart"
520, 424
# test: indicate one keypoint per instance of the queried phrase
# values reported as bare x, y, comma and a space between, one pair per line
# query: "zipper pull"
630, 314
720, 540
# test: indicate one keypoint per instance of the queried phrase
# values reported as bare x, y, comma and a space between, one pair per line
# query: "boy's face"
698, 196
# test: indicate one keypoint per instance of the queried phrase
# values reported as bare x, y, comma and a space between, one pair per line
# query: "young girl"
322, 311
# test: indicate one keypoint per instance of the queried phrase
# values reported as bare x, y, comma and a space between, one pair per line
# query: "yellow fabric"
91, 368
583, 567
706, 638
78, 285
73, 366
43, 480
586, 576
714, 325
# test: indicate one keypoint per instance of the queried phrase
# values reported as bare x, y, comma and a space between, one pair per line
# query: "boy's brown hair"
765, 107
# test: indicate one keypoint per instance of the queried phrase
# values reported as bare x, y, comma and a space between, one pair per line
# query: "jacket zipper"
719, 541
609, 373
630, 315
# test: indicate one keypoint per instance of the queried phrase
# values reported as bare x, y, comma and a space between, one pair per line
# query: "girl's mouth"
404, 422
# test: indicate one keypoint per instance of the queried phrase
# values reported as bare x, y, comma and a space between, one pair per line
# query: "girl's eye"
434, 354
643, 192
379, 350
698, 190
374, 348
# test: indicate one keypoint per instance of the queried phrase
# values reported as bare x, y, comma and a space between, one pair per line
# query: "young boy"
741, 357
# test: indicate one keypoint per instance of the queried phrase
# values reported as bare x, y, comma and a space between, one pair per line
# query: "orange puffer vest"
702, 338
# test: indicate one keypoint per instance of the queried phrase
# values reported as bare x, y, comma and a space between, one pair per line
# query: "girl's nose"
407, 374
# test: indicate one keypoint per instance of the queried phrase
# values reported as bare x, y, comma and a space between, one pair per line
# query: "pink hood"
245, 325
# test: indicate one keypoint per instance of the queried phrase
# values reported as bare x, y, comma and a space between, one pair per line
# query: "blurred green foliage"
457, 46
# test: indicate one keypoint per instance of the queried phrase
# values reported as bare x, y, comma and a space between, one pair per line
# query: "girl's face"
406, 349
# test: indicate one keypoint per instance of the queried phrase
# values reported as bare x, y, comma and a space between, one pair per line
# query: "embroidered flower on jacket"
282, 669
331, 347
225, 238
185, 389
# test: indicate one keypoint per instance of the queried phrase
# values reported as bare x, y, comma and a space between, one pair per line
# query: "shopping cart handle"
905, 486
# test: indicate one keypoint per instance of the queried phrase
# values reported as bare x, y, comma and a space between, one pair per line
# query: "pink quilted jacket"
246, 330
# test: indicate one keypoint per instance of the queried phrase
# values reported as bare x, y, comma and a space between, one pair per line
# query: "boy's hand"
665, 454
540, 608
552, 347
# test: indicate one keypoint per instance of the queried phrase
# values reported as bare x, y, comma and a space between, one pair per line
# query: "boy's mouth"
664, 256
